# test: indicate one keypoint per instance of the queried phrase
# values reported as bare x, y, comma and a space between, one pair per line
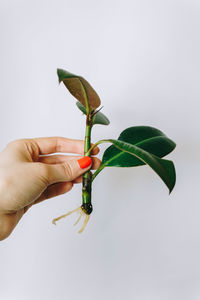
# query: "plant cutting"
135, 146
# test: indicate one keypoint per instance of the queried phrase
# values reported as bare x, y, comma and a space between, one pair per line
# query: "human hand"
29, 175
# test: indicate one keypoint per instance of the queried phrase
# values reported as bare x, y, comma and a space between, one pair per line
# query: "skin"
28, 175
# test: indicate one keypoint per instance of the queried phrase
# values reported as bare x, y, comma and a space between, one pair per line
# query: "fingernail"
84, 162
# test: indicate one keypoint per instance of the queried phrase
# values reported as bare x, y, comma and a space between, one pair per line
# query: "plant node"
87, 208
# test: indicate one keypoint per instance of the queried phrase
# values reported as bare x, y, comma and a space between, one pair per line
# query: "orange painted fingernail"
84, 162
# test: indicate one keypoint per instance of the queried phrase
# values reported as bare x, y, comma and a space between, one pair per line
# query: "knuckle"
31, 148
28, 145
69, 173
58, 144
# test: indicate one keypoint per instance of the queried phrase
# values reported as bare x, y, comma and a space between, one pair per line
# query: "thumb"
69, 170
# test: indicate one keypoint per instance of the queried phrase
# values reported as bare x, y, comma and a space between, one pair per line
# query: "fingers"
95, 151
78, 180
48, 145
58, 159
67, 171
55, 190
31, 149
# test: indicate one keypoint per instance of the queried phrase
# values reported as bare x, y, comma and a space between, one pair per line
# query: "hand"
28, 175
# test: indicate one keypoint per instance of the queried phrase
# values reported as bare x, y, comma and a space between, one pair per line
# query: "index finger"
49, 145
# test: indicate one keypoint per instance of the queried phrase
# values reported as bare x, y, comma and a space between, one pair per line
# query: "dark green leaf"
99, 118
80, 89
148, 138
164, 168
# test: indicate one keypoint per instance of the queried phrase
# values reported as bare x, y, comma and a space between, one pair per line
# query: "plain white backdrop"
142, 57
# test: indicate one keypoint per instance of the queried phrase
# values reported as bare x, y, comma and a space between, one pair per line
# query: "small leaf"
164, 168
99, 118
145, 137
80, 89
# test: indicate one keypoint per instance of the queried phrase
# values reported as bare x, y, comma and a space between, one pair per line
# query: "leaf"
164, 168
99, 118
80, 89
145, 137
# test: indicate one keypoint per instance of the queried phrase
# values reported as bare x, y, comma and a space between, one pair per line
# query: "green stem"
98, 171
87, 176
93, 146
87, 138
102, 165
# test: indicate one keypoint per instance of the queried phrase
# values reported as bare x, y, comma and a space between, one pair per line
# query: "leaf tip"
172, 187
59, 73
173, 179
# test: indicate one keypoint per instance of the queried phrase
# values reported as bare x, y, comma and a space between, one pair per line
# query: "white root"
87, 217
82, 213
63, 216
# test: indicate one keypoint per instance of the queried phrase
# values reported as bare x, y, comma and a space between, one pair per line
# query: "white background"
143, 59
